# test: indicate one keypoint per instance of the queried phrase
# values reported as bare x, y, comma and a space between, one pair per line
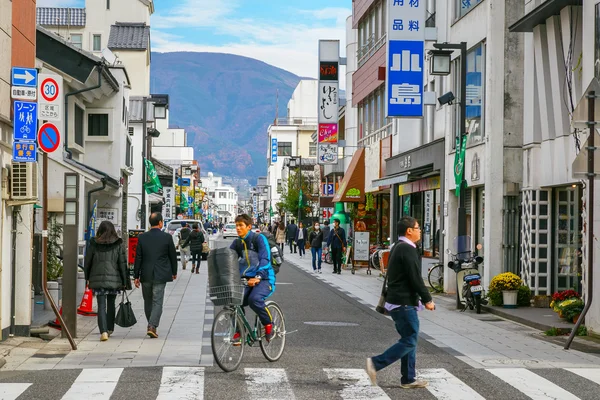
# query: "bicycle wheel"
274, 349
328, 258
227, 355
436, 278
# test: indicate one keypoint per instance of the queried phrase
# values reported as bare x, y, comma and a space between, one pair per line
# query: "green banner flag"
300, 199
152, 184
271, 211
196, 209
183, 203
459, 161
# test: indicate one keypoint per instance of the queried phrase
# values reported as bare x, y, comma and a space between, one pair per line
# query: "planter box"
509, 298
541, 301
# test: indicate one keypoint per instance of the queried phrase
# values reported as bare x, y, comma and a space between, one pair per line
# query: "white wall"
351, 117
303, 103
138, 66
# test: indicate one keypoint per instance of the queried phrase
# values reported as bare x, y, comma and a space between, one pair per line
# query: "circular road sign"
49, 89
48, 137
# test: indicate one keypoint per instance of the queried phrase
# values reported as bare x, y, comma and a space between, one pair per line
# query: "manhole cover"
330, 323
508, 361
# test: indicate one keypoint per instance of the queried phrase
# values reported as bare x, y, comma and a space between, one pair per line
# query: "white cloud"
58, 3
193, 13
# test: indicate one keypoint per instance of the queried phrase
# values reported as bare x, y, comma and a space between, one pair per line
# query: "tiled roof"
60, 16
129, 36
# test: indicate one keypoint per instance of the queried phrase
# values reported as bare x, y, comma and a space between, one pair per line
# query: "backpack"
276, 256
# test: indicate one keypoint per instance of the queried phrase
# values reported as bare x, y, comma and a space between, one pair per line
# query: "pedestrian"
280, 236
406, 294
326, 229
195, 241
316, 246
184, 233
292, 230
301, 236
155, 265
105, 269
336, 242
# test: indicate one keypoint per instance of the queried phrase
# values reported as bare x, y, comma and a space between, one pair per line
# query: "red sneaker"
269, 332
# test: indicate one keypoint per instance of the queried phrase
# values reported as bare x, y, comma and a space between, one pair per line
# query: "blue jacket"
255, 257
334, 241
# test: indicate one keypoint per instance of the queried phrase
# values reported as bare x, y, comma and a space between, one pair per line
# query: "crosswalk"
343, 383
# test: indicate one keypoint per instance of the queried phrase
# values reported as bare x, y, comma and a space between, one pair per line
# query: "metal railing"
375, 136
303, 121
368, 49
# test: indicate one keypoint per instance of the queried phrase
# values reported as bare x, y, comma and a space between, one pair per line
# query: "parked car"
174, 226
229, 231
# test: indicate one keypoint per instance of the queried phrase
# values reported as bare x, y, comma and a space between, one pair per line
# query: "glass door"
567, 239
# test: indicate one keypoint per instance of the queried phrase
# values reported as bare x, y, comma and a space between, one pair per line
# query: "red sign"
49, 89
328, 133
48, 137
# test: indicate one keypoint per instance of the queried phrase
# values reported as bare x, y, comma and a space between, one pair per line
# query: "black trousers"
291, 241
196, 258
336, 256
106, 312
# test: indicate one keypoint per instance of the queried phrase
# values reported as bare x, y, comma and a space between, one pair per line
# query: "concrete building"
223, 197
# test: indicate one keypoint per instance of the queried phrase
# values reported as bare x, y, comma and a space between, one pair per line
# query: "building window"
76, 40
312, 149
284, 148
79, 113
222, 195
464, 6
128, 153
475, 93
98, 125
123, 111
160, 112
108, 4
97, 43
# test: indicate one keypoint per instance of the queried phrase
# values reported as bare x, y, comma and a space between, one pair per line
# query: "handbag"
125, 316
382, 298
205, 248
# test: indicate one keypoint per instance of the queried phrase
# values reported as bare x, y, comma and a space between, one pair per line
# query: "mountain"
226, 103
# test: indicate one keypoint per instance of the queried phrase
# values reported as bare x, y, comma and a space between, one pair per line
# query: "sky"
283, 33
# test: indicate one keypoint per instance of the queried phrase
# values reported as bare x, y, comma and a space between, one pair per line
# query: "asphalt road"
330, 336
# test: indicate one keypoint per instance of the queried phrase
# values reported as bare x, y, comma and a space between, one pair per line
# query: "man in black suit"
155, 265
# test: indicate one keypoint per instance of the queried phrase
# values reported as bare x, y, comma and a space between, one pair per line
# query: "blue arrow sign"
26, 118
24, 77
24, 151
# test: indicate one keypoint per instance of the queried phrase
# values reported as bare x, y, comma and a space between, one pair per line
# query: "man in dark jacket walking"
195, 240
337, 243
155, 265
292, 230
406, 294
326, 229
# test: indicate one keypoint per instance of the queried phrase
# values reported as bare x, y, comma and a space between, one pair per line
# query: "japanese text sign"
328, 102
274, 149
26, 118
24, 151
328, 133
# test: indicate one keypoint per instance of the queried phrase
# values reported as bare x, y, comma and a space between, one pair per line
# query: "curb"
520, 320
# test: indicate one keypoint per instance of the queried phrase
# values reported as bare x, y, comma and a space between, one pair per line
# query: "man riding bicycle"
255, 264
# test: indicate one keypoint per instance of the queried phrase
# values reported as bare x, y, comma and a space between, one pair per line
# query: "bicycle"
435, 276
227, 350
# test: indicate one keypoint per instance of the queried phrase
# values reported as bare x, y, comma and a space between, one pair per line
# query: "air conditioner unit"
23, 181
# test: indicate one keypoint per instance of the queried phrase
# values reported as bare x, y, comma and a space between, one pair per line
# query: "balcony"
372, 137
299, 121
368, 49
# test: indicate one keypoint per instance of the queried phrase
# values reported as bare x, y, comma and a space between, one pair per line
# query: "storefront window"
567, 237
438, 224
427, 224
480, 218
464, 6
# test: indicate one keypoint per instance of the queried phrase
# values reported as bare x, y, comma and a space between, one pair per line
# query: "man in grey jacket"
155, 265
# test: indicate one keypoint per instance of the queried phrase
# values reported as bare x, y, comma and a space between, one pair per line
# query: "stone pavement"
482, 341
182, 338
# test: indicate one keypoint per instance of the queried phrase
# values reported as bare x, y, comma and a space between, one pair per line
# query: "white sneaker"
414, 385
371, 372
320, 271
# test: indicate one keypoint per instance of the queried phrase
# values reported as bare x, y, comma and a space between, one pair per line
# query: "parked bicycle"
231, 331
435, 276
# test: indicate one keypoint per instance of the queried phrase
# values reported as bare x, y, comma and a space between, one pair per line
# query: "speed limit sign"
49, 97
49, 89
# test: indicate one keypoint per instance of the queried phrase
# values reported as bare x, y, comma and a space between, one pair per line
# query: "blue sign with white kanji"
274, 150
183, 182
26, 118
405, 78
24, 77
24, 151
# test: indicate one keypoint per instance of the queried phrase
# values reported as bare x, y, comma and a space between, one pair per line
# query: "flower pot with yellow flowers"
508, 284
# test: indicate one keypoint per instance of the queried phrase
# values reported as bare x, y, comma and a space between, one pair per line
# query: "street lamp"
441, 65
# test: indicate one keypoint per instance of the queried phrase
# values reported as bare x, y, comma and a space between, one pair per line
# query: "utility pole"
144, 133
300, 189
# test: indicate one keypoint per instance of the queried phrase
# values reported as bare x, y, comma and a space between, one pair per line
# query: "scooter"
466, 265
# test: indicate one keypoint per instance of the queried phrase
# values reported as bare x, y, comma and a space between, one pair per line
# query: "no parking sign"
48, 137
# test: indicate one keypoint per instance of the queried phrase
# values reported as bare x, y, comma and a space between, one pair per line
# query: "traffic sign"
49, 89
26, 117
49, 137
49, 112
24, 151
24, 77
183, 182
23, 93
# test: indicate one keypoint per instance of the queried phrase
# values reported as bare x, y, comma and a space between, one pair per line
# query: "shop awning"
352, 188
391, 180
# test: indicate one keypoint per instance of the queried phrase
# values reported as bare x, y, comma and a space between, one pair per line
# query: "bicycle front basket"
227, 295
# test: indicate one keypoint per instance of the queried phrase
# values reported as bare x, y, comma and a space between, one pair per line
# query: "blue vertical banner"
91, 231
274, 149
405, 61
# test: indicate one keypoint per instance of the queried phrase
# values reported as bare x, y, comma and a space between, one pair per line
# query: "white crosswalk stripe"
268, 384
181, 383
445, 386
11, 391
531, 384
356, 383
591, 374
94, 383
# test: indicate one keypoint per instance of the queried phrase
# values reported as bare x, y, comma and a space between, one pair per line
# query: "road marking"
181, 383
357, 385
531, 384
10, 391
591, 374
445, 386
268, 384
94, 383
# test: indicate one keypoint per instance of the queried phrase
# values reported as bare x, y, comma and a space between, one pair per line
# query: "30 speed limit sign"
49, 90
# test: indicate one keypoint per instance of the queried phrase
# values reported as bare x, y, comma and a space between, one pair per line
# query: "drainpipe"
13, 294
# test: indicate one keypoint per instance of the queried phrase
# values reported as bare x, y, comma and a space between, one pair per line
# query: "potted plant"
559, 298
570, 309
508, 284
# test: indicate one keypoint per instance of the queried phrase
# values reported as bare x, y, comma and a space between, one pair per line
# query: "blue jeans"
316, 256
255, 298
301, 249
405, 350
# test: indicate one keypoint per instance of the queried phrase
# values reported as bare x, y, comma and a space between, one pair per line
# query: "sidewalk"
182, 340
482, 341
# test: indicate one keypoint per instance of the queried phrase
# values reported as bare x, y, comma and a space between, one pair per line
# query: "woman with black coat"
315, 238
106, 272
195, 241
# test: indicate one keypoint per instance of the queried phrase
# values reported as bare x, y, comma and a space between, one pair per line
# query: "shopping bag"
382, 298
205, 248
125, 316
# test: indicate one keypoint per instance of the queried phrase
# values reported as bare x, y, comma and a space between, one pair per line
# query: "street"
330, 334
